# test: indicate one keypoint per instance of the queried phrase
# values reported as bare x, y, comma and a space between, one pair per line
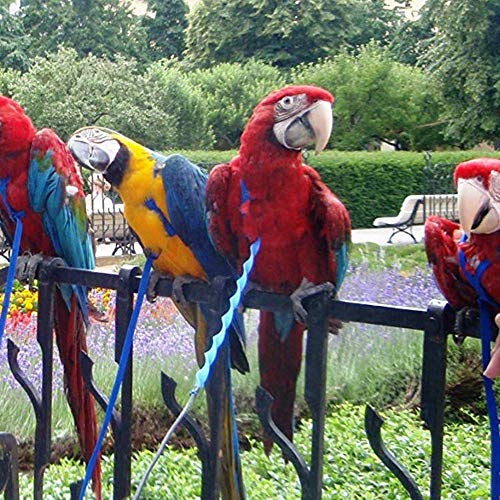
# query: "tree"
464, 55
166, 28
376, 100
159, 108
99, 27
231, 91
283, 33
373, 20
15, 42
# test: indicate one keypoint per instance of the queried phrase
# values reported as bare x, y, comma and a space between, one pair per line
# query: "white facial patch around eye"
95, 135
289, 106
495, 185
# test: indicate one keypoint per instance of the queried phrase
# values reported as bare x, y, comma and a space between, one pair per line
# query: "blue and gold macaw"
164, 204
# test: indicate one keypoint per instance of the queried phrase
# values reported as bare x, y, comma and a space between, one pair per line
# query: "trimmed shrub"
371, 184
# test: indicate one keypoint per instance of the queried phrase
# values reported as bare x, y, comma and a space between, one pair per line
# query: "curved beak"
96, 156
313, 125
476, 210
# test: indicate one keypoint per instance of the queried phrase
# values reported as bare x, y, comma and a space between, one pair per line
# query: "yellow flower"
29, 306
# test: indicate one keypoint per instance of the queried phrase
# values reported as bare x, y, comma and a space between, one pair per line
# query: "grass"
351, 469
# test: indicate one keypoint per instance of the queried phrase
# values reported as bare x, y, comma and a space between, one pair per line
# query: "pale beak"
321, 121
95, 156
476, 210
311, 126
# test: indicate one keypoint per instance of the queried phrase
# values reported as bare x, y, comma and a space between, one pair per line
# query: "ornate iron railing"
438, 179
436, 322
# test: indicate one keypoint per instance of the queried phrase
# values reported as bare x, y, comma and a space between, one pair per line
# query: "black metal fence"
438, 180
436, 322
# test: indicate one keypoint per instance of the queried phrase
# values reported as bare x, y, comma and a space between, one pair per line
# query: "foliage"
465, 57
157, 108
15, 42
373, 20
371, 184
231, 91
351, 469
377, 99
411, 37
183, 110
283, 33
165, 26
98, 27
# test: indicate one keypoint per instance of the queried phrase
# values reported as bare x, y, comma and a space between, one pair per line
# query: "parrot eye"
495, 185
289, 105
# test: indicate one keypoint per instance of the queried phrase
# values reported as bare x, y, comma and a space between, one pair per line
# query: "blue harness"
485, 302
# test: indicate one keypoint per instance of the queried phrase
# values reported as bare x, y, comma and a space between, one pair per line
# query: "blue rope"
210, 356
122, 366
491, 403
486, 336
11, 273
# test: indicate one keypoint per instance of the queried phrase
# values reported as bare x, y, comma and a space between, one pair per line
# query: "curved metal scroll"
263, 403
20, 376
168, 386
373, 425
99, 396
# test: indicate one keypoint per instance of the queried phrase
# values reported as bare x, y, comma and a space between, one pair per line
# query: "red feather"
442, 245
301, 224
17, 137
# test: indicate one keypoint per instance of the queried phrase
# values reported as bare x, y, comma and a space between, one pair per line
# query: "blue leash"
16, 246
11, 273
486, 337
210, 356
122, 366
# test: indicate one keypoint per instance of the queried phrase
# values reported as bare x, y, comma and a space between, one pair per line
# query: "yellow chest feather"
175, 257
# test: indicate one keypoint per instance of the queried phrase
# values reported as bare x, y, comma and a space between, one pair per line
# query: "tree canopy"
283, 33
464, 54
165, 27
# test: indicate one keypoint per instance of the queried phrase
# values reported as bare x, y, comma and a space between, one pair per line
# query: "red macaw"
266, 191
39, 178
477, 237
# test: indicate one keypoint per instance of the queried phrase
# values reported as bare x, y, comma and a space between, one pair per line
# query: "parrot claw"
27, 266
177, 291
155, 277
306, 289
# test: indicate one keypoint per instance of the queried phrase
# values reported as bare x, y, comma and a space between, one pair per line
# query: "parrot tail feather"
279, 365
71, 340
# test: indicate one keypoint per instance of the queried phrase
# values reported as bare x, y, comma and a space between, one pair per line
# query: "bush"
371, 184
377, 98
231, 91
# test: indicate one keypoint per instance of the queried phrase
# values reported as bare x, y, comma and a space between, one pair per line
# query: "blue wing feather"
47, 193
185, 186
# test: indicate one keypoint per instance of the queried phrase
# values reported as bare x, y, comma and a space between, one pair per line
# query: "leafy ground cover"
351, 470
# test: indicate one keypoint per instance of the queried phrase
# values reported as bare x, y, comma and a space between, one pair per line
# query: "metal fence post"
123, 429
433, 385
9, 467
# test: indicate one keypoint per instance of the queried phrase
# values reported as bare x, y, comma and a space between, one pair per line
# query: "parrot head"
293, 117
478, 187
16, 129
105, 151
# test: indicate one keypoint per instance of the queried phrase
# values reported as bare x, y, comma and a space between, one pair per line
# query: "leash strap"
486, 337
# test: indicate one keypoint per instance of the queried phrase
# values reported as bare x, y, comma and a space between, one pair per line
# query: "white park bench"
416, 208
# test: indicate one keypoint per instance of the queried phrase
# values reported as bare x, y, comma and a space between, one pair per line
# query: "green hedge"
371, 184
